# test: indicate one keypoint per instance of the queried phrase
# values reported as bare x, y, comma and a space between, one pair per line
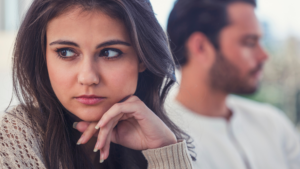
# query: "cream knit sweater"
19, 147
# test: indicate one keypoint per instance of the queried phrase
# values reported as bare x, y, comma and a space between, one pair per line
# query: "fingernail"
97, 127
101, 160
79, 141
75, 124
96, 147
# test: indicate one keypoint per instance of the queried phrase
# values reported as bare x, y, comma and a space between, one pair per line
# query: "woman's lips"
89, 100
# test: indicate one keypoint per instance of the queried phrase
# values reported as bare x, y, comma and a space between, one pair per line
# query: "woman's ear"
142, 67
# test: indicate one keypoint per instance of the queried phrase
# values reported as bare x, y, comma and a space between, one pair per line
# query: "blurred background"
280, 86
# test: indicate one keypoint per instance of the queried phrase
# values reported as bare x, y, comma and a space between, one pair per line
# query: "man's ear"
142, 67
199, 48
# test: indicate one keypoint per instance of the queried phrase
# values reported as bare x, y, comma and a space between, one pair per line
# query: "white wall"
11, 13
6, 49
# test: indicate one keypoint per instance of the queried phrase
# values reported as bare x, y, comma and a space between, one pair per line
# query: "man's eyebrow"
64, 42
113, 42
254, 37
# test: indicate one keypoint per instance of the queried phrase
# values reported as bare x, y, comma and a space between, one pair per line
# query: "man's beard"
226, 77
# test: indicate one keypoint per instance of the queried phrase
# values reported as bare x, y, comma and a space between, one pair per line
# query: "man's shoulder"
257, 111
266, 117
248, 105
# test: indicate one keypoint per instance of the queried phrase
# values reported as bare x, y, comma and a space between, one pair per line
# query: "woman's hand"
131, 124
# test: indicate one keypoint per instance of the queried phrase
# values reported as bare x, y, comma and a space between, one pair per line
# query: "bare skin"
239, 44
92, 65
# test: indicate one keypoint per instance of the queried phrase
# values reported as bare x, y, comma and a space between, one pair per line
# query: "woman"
103, 62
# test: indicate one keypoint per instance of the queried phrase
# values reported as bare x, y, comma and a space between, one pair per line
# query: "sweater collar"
198, 121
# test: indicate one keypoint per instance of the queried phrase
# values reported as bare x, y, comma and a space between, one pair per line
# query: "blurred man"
216, 44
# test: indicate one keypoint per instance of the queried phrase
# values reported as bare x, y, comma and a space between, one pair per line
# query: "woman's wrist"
166, 142
169, 142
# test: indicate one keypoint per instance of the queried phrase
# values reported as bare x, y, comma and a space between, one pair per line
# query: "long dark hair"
33, 90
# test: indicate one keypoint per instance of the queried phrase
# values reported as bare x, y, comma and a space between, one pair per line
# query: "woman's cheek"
124, 80
121, 76
61, 79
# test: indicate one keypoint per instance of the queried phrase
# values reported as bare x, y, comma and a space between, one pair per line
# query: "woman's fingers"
104, 153
105, 130
87, 134
127, 108
130, 105
104, 137
81, 126
140, 128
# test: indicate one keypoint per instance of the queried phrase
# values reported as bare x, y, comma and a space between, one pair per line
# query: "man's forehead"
240, 12
242, 15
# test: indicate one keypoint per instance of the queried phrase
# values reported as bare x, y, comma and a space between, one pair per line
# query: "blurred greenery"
281, 83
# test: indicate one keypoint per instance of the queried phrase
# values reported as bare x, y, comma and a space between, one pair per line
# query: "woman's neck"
89, 146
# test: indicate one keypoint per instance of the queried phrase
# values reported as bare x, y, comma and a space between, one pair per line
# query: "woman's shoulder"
18, 119
20, 144
14, 113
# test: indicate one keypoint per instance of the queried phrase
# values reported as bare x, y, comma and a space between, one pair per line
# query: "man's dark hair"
188, 16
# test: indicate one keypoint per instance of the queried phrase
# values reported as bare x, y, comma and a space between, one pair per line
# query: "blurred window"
11, 13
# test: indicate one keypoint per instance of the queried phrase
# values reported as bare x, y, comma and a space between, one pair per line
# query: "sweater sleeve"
18, 142
174, 156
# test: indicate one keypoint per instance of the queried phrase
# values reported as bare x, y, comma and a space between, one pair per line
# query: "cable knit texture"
170, 157
19, 146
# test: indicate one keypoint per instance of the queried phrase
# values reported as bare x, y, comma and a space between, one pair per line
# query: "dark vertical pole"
298, 107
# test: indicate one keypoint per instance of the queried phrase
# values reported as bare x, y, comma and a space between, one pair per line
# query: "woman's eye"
110, 53
65, 53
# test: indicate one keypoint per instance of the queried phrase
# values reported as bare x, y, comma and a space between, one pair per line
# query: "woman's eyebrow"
113, 42
64, 42
107, 43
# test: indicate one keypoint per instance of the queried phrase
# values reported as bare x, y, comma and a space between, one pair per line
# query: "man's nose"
88, 74
263, 56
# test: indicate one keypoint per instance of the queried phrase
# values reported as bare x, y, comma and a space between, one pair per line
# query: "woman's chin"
89, 114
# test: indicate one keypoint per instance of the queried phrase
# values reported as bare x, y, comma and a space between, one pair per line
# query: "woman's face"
91, 62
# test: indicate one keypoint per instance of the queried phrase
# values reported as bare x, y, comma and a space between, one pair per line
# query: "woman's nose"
88, 74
